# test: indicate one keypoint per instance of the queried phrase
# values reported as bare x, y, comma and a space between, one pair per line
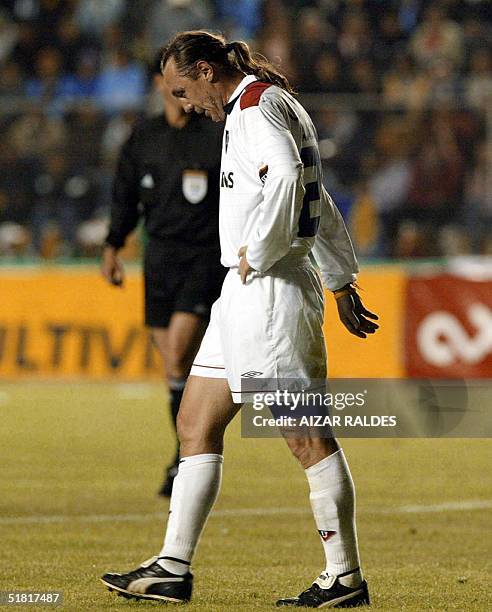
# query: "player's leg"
194, 292
177, 345
162, 282
205, 412
332, 498
331, 487
184, 336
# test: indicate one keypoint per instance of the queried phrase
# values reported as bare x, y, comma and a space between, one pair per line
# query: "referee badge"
195, 185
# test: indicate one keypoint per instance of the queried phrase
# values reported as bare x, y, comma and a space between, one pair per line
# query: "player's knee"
184, 428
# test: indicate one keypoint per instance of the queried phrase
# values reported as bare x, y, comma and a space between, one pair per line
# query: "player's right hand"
111, 267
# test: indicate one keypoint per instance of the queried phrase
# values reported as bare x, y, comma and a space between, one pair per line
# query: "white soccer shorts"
269, 328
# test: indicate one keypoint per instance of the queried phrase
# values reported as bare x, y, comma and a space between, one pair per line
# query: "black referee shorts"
180, 280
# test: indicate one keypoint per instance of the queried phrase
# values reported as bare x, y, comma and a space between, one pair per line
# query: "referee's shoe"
151, 581
328, 592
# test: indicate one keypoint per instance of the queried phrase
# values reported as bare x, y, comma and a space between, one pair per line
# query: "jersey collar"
249, 78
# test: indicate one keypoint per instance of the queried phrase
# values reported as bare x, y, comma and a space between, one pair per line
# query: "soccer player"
169, 172
268, 319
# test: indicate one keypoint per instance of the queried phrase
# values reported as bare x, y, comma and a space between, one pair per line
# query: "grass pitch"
80, 465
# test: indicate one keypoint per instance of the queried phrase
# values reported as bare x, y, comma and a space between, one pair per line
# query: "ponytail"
188, 48
257, 64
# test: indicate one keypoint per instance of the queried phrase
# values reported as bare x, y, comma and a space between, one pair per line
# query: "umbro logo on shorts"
326, 535
251, 374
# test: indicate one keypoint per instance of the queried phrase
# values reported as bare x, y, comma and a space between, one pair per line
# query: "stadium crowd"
401, 92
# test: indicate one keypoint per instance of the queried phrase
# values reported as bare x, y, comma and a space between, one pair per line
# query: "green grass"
75, 454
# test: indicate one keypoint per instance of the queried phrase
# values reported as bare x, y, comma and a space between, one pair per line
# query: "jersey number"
310, 211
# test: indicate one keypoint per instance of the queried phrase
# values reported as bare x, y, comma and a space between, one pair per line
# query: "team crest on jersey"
195, 185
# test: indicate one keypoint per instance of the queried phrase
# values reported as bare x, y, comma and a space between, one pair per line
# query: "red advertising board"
448, 327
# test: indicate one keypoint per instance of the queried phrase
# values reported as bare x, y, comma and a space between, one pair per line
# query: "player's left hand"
244, 267
354, 315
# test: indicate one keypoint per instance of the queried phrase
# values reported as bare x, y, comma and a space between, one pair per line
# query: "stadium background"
401, 94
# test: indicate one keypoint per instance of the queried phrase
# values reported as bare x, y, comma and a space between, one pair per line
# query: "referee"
168, 173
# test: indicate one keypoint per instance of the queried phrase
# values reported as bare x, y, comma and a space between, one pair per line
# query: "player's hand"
244, 267
111, 267
355, 316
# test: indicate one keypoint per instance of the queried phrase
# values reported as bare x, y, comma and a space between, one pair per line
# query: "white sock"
332, 499
195, 490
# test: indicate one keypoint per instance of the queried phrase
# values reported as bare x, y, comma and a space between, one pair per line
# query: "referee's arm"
124, 212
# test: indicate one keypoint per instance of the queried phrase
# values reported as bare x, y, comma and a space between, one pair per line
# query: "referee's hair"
188, 48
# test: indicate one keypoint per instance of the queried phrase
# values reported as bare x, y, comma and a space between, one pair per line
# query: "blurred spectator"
134, 19
433, 199
16, 196
22, 10
70, 43
34, 133
83, 84
452, 241
16, 186
313, 37
170, 16
478, 197
112, 39
411, 241
389, 39
408, 13
11, 83
26, 48
8, 35
14, 238
477, 35
121, 84
275, 38
389, 181
355, 40
478, 83
328, 74
400, 87
241, 19
50, 12
95, 16
443, 85
73, 78
85, 127
91, 234
340, 138
64, 198
47, 86
363, 77
364, 222
116, 134
437, 38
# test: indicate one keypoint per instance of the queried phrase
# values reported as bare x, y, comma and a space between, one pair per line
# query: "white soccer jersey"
271, 197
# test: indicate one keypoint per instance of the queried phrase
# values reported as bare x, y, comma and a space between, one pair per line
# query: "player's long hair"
188, 48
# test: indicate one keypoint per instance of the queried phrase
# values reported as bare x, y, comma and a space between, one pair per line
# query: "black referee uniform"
170, 176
